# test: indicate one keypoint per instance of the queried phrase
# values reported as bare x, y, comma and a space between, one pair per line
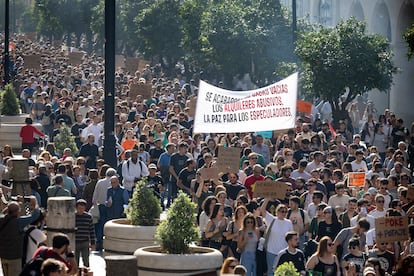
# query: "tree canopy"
344, 60
409, 38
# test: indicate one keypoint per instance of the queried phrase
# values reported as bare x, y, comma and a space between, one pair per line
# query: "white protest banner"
268, 108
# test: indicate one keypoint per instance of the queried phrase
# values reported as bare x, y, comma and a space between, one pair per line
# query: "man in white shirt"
95, 128
278, 227
99, 198
300, 171
339, 201
316, 163
132, 171
379, 210
359, 164
362, 213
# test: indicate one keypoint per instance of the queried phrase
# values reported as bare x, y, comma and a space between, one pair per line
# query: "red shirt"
250, 180
27, 133
52, 254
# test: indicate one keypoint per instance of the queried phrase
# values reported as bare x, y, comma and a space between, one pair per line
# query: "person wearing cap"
303, 152
177, 163
156, 151
156, 183
85, 232
11, 235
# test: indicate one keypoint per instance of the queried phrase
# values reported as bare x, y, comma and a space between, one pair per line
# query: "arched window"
325, 12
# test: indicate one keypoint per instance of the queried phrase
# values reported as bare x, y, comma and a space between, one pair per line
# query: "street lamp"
109, 135
6, 43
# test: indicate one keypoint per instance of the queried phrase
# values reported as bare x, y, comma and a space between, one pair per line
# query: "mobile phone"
363, 211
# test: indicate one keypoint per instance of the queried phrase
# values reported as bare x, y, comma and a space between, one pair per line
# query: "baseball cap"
152, 166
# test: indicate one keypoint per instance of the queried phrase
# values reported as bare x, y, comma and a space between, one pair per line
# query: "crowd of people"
323, 225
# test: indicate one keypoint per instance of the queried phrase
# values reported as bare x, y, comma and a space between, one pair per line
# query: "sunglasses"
330, 243
249, 221
253, 158
283, 211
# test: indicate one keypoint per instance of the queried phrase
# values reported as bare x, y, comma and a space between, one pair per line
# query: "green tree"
246, 37
65, 139
409, 38
9, 103
159, 28
344, 60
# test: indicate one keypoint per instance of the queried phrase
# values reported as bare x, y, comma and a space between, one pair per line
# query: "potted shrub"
9, 102
11, 120
286, 269
125, 235
176, 253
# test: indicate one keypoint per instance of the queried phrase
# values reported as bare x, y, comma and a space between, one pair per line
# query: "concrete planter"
122, 238
10, 130
201, 261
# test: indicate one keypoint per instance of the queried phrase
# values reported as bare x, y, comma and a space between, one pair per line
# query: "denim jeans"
248, 260
270, 258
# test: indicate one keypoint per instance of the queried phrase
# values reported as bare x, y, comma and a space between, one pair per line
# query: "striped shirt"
85, 230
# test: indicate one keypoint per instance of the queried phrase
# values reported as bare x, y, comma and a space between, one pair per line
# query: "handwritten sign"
119, 61
136, 89
32, 61
410, 193
356, 179
391, 229
192, 105
270, 189
305, 107
75, 58
131, 64
209, 173
228, 159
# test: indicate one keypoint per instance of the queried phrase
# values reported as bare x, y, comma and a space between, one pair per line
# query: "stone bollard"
121, 265
61, 218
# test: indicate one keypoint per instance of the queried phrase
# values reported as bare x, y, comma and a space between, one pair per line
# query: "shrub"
286, 269
65, 140
179, 230
9, 101
144, 207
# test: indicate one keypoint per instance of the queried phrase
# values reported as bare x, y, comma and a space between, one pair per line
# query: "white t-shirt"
370, 219
277, 241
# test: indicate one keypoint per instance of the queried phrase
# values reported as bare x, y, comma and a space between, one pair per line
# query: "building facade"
390, 18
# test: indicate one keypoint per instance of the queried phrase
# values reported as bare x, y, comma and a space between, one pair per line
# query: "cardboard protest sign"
32, 61
131, 64
228, 159
270, 189
136, 89
192, 105
391, 229
305, 107
142, 64
268, 108
356, 179
119, 61
31, 36
75, 58
410, 193
209, 173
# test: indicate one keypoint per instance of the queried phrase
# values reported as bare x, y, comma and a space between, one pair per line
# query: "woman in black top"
324, 262
330, 226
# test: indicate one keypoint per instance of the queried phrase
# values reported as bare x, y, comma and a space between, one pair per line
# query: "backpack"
302, 214
33, 267
26, 242
119, 169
